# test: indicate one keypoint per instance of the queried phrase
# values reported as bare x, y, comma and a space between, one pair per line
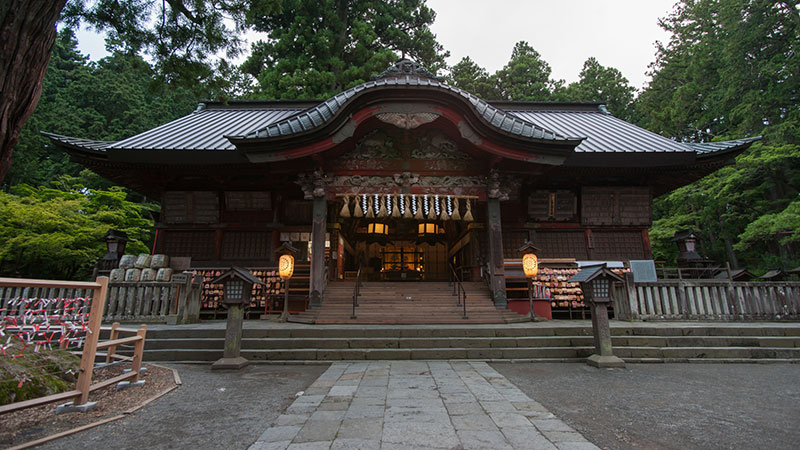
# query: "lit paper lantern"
530, 264
286, 266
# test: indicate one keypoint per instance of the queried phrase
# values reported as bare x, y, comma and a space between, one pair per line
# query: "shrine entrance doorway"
398, 249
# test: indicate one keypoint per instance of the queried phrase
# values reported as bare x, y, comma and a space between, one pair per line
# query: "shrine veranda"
403, 176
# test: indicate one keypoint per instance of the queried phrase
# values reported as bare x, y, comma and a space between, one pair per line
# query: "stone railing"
175, 302
708, 300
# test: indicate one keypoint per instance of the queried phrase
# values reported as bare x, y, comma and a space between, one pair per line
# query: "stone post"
494, 232
314, 188
231, 357
604, 355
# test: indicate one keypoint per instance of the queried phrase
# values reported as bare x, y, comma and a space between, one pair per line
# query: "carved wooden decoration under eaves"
427, 145
376, 144
436, 145
407, 179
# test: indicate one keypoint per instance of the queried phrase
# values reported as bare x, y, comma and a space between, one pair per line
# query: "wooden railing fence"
98, 291
176, 301
708, 300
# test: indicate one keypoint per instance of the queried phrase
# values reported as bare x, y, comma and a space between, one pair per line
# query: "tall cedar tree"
181, 35
526, 76
111, 99
471, 77
601, 84
317, 48
730, 69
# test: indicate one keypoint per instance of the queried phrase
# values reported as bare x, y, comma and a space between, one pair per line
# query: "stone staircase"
395, 303
531, 342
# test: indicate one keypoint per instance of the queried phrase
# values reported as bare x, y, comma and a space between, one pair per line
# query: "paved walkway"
414, 405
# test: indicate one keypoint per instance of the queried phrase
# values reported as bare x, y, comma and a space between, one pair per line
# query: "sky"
619, 33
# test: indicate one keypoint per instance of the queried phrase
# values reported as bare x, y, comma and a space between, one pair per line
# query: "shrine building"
404, 177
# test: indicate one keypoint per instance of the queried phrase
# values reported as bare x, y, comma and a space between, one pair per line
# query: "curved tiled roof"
319, 115
707, 148
86, 144
205, 128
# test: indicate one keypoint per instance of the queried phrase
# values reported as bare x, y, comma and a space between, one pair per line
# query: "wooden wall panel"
634, 206
561, 244
200, 245
559, 206
512, 241
190, 207
617, 245
615, 206
297, 212
255, 245
248, 201
598, 206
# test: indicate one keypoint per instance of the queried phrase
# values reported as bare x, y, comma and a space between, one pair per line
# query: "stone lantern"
115, 248
237, 285
597, 285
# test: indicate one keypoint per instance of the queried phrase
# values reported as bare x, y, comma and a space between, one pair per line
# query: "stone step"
499, 353
568, 329
476, 342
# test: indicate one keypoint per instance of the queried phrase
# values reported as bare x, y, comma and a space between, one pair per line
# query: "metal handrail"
458, 289
356, 292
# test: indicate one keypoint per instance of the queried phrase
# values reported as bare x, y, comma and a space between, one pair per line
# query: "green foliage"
315, 49
729, 69
115, 98
182, 36
54, 233
601, 84
784, 225
469, 76
42, 373
526, 76
746, 208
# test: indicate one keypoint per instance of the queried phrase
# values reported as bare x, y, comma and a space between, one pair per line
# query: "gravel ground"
211, 410
670, 406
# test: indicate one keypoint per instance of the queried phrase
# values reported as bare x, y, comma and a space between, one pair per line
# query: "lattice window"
561, 244
247, 245
618, 245
197, 244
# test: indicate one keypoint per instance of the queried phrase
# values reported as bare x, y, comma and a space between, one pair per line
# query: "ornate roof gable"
405, 67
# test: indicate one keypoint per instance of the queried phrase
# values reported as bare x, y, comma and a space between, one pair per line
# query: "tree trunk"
27, 33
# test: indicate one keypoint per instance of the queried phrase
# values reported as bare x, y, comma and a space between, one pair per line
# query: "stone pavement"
414, 405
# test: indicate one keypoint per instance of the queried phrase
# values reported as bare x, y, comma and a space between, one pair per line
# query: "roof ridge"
315, 116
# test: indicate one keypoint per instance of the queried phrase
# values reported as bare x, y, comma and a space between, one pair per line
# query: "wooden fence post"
630, 297
114, 335
138, 352
90, 344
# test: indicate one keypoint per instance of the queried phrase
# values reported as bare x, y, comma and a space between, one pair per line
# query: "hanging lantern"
286, 260
530, 263
286, 266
